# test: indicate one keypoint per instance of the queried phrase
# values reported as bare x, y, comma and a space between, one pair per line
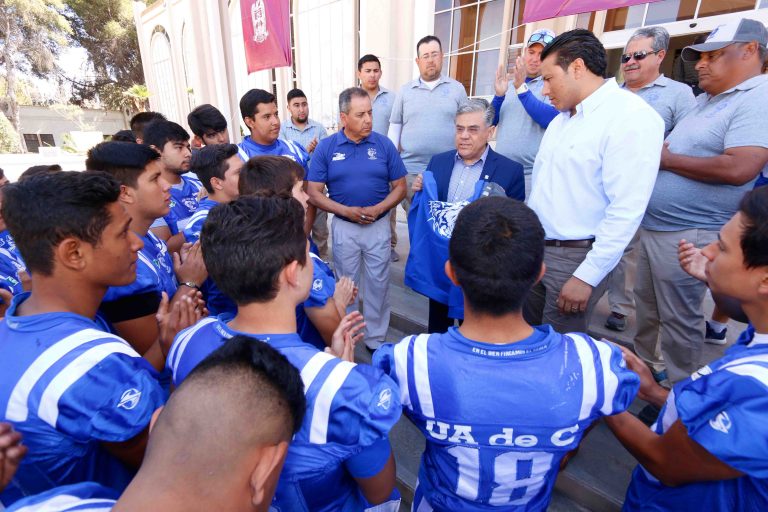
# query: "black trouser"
439, 321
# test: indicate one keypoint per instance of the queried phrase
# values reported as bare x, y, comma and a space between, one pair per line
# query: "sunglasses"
540, 38
637, 55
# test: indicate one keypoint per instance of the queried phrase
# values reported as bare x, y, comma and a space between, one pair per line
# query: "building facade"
192, 50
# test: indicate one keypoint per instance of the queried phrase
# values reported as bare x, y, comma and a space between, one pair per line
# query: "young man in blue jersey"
132, 308
218, 168
171, 141
319, 316
236, 413
708, 448
82, 398
208, 125
257, 253
500, 402
259, 110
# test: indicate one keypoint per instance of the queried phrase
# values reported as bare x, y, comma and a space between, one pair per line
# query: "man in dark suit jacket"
457, 171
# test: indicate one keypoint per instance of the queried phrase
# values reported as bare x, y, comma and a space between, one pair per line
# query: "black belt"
575, 244
356, 222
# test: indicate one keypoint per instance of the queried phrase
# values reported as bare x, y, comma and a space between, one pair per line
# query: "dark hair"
159, 133
296, 93
206, 119
425, 40
123, 136
365, 59
140, 120
275, 374
248, 242
269, 176
40, 169
578, 44
2, 173
496, 250
754, 238
249, 103
125, 161
211, 162
42, 210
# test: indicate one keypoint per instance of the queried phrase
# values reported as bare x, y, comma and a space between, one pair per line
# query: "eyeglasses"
637, 55
541, 37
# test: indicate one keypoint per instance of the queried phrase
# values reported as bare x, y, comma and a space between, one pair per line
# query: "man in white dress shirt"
592, 179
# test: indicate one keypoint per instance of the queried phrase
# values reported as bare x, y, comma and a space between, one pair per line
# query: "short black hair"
578, 44
211, 162
250, 101
269, 175
754, 238
371, 58
159, 133
123, 136
125, 161
496, 250
425, 40
40, 169
206, 119
42, 210
296, 93
246, 244
269, 366
140, 120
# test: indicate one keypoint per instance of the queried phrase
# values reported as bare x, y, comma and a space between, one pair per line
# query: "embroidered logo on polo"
338, 156
442, 216
130, 399
721, 422
190, 203
385, 399
317, 285
371, 153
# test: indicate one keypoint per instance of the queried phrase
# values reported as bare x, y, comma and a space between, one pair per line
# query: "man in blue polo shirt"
366, 179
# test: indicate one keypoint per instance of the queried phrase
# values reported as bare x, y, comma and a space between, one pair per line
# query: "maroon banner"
536, 10
266, 33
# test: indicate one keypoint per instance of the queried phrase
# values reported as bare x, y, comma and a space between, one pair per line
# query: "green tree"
106, 30
31, 34
9, 138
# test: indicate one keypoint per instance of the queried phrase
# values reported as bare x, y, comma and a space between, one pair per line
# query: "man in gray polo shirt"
422, 120
641, 63
713, 155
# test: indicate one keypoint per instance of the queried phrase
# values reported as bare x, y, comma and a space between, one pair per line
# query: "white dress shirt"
594, 174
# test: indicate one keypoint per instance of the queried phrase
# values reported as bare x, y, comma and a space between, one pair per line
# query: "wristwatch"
190, 284
522, 89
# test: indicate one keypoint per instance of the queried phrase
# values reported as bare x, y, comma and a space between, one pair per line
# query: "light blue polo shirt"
672, 100
356, 174
737, 117
428, 118
382, 110
290, 131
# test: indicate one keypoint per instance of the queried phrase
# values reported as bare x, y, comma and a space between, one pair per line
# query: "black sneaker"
715, 338
616, 322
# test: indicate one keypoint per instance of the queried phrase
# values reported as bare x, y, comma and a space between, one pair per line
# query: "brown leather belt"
577, 244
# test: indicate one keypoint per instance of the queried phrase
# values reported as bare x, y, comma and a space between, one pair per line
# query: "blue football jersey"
289, 149
154, 272
195, 224
82, 497
184, 203
499, 418
67, 386
724, 407
350, 411
11, 265
323, 286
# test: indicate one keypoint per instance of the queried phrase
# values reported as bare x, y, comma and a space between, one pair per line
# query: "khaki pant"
621, 281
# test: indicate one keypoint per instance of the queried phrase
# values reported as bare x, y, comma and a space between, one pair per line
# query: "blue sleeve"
322, 289
394, 161
370, 461
516, 188
112, 401
619, 384
497, 102
194, 228
725, 412
318, 167
540, 112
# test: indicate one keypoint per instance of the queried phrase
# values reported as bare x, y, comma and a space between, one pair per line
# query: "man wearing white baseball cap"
709, 160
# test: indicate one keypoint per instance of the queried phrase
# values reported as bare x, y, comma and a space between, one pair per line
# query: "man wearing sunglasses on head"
641, 63
523, 113
711, 158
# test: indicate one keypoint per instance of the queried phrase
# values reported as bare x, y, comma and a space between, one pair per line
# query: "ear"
248, 120
71, 253
216, 183
127, 194
266, 472
159, 151
197, 141
578, 67
154, 417
343, 118
291, 273
451, 273
662, 54
750, 49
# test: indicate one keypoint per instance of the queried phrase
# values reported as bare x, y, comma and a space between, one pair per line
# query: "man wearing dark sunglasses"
709, 160
641, 63
523, 113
